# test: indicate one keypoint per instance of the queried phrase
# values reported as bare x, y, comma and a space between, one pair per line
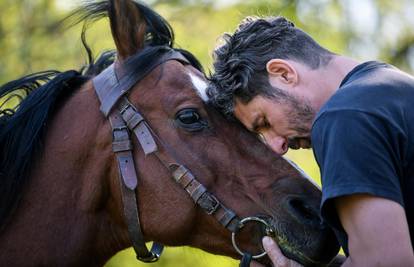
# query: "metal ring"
151, 257
241, 225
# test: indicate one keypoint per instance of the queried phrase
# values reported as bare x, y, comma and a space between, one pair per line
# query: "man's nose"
278, 144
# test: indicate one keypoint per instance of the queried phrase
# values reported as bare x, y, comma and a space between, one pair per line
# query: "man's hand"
278, 259
275, 254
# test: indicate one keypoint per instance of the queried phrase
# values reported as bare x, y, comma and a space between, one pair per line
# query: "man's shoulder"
380, 90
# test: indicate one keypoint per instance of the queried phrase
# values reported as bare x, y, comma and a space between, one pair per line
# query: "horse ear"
128, 27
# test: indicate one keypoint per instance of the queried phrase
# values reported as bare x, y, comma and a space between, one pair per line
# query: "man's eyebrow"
255, 123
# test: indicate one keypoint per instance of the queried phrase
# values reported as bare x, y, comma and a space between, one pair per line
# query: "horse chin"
311, 248
300, 257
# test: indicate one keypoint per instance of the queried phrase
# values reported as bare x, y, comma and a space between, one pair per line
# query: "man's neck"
334, 73
337, 69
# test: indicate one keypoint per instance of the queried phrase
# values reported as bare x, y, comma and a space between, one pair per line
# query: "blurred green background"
363, 29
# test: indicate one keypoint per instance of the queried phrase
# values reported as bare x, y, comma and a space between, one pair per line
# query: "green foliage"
31, 41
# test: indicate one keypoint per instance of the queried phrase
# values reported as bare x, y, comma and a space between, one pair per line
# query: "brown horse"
60, 196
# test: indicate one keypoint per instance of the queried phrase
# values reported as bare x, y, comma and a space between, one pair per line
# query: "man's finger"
274, 252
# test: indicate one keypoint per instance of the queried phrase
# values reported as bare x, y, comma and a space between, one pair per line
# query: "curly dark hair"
240, 63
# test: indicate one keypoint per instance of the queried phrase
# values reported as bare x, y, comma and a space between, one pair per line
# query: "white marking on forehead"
200, 86
305, 175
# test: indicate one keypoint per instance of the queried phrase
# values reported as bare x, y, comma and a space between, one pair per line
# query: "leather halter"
111, 89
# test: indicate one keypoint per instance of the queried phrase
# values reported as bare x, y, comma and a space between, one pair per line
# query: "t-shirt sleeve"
356, 153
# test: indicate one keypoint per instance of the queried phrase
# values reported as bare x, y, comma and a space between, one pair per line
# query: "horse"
195, 179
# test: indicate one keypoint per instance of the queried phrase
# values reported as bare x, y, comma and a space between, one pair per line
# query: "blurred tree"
364, 29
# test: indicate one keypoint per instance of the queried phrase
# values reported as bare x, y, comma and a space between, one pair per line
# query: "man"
359, 118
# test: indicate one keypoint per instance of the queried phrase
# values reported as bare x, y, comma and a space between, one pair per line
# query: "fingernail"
267, 241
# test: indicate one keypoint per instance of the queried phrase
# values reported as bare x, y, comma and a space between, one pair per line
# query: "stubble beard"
301, 115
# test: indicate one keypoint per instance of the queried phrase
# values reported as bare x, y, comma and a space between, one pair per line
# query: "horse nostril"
304, 212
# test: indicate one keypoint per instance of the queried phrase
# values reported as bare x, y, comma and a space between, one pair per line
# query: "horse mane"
23, 126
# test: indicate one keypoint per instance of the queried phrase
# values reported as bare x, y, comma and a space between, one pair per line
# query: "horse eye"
188, 116
190, 120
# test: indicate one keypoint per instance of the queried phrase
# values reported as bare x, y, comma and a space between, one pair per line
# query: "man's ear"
281, 72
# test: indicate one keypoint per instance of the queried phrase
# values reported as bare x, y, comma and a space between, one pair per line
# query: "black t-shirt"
363, 140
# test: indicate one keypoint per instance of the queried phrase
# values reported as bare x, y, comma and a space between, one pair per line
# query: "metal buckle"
120, 128
214, 206
269, 231
126, 106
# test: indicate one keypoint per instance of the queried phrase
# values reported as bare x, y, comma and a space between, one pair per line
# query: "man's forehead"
246, 113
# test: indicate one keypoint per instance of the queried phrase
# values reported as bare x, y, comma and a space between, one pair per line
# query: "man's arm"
377, 231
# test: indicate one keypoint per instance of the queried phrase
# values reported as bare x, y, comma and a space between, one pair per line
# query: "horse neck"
66, 214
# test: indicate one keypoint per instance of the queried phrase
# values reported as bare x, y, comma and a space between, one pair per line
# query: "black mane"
22, 127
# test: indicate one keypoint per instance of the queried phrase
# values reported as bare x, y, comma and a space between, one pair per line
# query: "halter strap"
128, 182
179, 172
109, 90
110, 95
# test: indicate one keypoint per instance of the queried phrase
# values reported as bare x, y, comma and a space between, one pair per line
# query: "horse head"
229, 161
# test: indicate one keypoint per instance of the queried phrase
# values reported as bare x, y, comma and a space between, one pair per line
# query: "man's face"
282, 124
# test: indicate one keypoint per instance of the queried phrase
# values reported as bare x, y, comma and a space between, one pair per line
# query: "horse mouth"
295, 254
309, 245
305, 251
